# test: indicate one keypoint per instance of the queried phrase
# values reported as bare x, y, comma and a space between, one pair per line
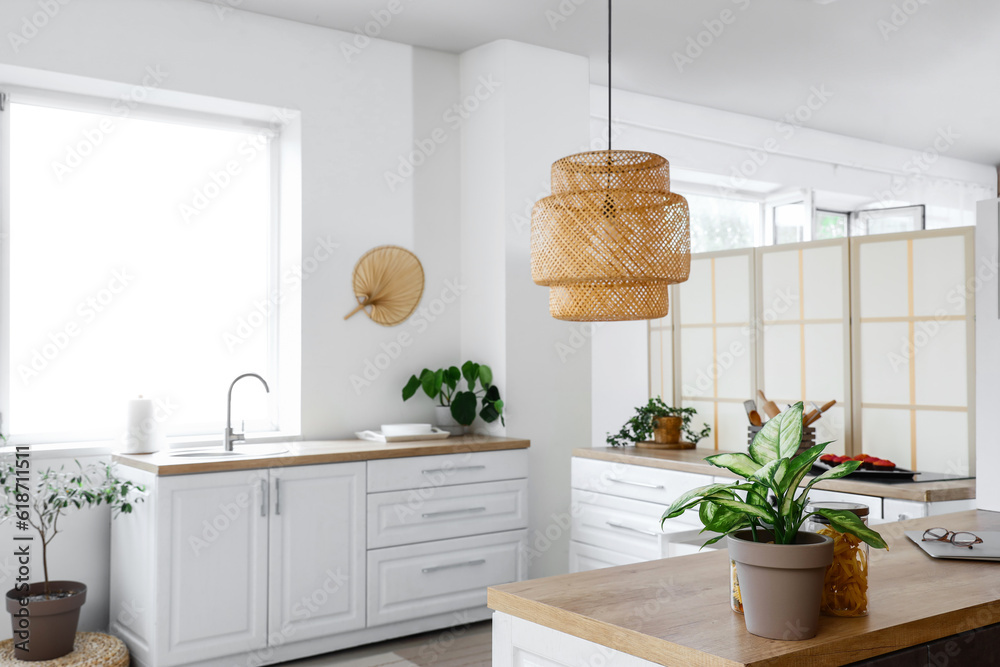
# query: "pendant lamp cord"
609, 75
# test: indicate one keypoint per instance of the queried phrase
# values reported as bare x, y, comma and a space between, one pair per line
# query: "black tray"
899, 474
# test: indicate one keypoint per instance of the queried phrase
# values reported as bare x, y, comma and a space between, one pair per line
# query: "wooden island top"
676, 611
693, 460
319, 451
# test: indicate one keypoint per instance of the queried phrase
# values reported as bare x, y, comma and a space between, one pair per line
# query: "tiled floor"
466, 646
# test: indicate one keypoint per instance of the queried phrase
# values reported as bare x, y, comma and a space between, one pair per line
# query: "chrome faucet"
229, 437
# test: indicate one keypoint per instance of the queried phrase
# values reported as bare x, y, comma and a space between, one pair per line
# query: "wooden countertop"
676, 611
692, 460
324, 451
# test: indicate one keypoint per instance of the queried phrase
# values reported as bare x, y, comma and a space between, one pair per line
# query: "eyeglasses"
959, 539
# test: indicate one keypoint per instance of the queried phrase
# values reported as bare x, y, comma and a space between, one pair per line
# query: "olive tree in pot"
456, 409
44, 614
780, 567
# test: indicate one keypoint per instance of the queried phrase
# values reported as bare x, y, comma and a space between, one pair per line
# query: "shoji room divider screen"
882, 324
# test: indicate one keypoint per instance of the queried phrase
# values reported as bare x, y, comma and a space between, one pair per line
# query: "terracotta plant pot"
49, 628
667, 430
781, 584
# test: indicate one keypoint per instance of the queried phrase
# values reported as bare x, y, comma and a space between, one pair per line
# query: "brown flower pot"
48, 628
667, 430
781, 584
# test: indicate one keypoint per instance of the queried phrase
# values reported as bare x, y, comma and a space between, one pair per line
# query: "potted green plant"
44, 614
780, 567
457, 408
661, 421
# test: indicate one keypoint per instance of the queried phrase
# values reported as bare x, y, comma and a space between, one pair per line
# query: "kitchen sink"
241, 451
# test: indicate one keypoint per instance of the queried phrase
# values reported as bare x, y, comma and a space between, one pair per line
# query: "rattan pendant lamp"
611, 238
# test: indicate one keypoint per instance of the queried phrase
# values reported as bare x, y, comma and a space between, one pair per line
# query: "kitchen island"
676, 612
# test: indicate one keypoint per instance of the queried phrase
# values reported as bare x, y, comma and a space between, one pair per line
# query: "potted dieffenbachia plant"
44, 614
780, 566
456, 407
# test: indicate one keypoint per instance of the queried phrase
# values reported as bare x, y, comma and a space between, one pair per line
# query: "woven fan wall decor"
388, 283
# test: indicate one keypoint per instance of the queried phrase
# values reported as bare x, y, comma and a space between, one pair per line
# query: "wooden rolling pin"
769, 407
817, 413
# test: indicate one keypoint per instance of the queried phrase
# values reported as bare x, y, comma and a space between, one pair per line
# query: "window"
722, 224
830, 225
142, 260
888, 220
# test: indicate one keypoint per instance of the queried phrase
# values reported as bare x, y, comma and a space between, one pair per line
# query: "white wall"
537, 114
358, 118
987, 463
619, 376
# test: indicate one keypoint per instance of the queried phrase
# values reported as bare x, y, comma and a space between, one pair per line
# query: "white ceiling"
897, 86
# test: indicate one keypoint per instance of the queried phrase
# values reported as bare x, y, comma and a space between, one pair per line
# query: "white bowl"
396, 430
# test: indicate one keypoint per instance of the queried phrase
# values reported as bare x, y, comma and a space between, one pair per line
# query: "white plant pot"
445, 422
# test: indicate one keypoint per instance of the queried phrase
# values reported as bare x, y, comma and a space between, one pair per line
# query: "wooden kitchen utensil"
814, 415
752, 413
769, 407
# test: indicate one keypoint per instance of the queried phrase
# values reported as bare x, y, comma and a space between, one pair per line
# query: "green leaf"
485, 376
846, 521
765, 474
470, 372
843, 470
428, 380
799, 468
780, 437
452, 376
765, 513
411, 387
694, 496
463, 407
741, 464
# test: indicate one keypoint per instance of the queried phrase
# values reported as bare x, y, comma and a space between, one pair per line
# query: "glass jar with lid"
845, 589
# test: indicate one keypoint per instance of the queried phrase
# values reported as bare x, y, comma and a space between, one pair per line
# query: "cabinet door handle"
277, 496
630, 528
455, 469
428, 570
471, 510
644, 485
263, 497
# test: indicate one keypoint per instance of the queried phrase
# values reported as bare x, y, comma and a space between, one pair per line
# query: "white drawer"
422, 515
431, 578
421, 472
654, 485
583, 557
624, 525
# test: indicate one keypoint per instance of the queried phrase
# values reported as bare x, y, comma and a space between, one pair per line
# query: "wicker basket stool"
91, 649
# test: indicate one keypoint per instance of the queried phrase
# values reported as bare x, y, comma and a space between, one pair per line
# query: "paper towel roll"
143, 431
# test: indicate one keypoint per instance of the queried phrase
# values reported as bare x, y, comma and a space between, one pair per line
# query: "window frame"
284, 235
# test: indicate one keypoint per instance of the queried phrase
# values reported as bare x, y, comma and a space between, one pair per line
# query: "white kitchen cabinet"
238, 562
901, 510
264, 566
211, 555
317, 550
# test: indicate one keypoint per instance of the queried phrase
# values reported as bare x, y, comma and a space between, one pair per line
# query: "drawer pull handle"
263, 497
630, 528
428, 570
455, 469
644, 485
471, 510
